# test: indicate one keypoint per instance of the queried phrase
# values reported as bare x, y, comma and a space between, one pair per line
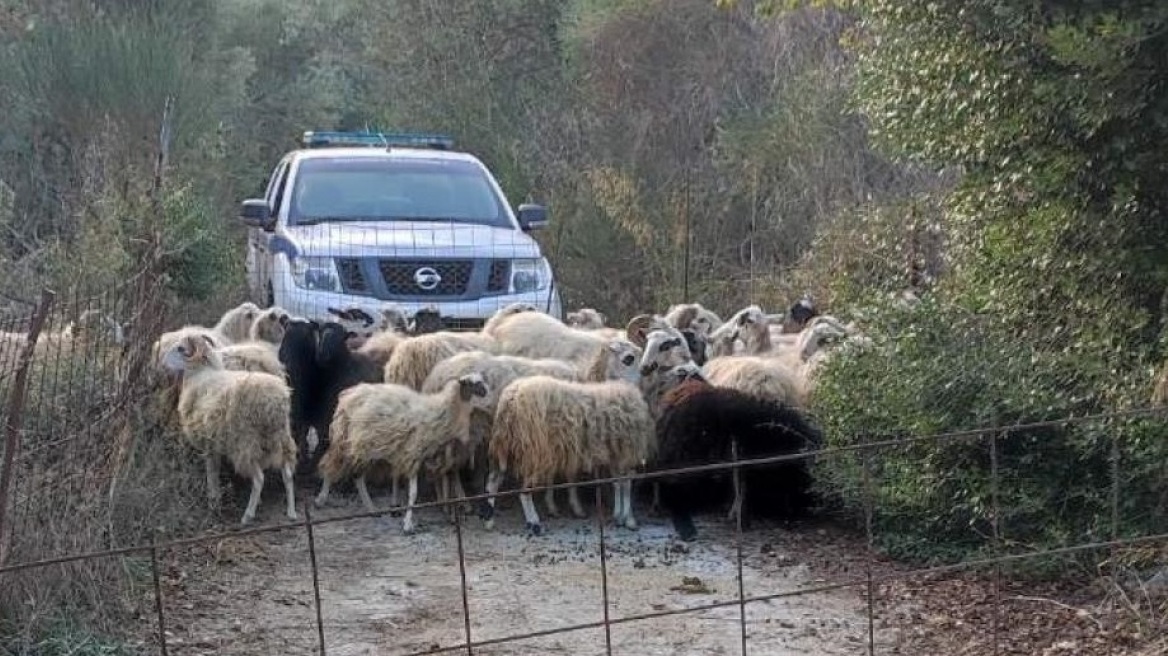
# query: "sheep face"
94, 326
623, 357
472, 389
333, 344
270, 325
686, 371
697, 346
300, 342
663, 351
198, 352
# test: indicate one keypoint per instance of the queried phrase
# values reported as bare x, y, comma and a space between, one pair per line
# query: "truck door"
259, 264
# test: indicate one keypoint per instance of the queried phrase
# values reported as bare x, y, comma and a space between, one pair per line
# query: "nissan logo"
427, 278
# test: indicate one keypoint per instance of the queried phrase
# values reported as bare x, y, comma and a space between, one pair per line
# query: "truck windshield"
382, 189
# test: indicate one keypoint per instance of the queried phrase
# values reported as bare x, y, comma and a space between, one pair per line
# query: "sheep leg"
459, 491
549, 499
627, 499
393, 500
363, 492
655, 506
529, 514
574, 499
322, 496
253, 502
289, 492
494, 480
211, 463
618, 506
408, 522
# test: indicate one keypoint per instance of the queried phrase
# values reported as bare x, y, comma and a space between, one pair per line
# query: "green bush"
937, 369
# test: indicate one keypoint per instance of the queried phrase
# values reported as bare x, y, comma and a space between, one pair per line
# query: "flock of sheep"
527, 395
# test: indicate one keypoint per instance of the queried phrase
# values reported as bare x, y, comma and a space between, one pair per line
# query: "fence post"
15, 411
315, 575
741, 496
603, 570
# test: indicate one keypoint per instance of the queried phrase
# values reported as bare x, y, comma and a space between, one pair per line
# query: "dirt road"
386, 593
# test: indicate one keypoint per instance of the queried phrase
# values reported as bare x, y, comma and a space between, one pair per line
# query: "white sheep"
504, 312
252, 356
617, 360
766, 378
413, 359
693, 316
537, 335
545, 427
233, 326
585, 319
242, 416
269, 325
410, 431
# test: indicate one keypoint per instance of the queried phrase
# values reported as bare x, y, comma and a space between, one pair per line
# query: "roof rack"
318, 139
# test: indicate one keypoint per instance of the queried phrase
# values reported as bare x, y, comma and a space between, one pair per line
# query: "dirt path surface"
386, 593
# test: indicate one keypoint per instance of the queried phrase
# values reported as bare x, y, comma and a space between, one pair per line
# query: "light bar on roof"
317, 139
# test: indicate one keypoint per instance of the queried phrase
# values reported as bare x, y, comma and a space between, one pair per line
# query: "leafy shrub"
936, 368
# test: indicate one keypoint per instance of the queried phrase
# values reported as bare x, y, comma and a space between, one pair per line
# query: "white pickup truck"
361, 220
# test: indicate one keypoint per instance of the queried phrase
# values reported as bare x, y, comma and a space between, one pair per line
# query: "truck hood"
393, 239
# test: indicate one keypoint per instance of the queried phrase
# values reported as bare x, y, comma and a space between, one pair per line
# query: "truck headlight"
319, 273
530, 275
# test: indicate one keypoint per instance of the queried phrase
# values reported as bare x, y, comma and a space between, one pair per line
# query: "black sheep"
319, 367
699, 424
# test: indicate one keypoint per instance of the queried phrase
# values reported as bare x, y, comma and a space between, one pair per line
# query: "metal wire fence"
38, 543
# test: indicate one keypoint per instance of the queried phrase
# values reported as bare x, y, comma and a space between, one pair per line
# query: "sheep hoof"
409, 529
489, 524
486, 511
631, 524
686, 531
534, 528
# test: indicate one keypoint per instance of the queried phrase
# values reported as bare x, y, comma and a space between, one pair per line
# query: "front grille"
461, 325
352, 278
497, 282
400, 280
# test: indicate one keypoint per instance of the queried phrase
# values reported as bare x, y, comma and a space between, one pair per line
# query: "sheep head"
94, 326
198, 352
693, 317
663, 351
473, 389
299, 345
621, 361
686, 371
333, 344
640, 326
357, 322
818, 335
270, 325
697, 346
393, 318
426, 320
585, 318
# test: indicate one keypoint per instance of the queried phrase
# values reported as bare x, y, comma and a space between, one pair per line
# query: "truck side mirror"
532, 217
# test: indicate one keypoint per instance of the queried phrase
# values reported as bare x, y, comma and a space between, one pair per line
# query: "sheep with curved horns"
545, 427
413, 359
700, 423
232, 327
242, 416
411, 431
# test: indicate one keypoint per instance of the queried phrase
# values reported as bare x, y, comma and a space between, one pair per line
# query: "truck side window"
281, 184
